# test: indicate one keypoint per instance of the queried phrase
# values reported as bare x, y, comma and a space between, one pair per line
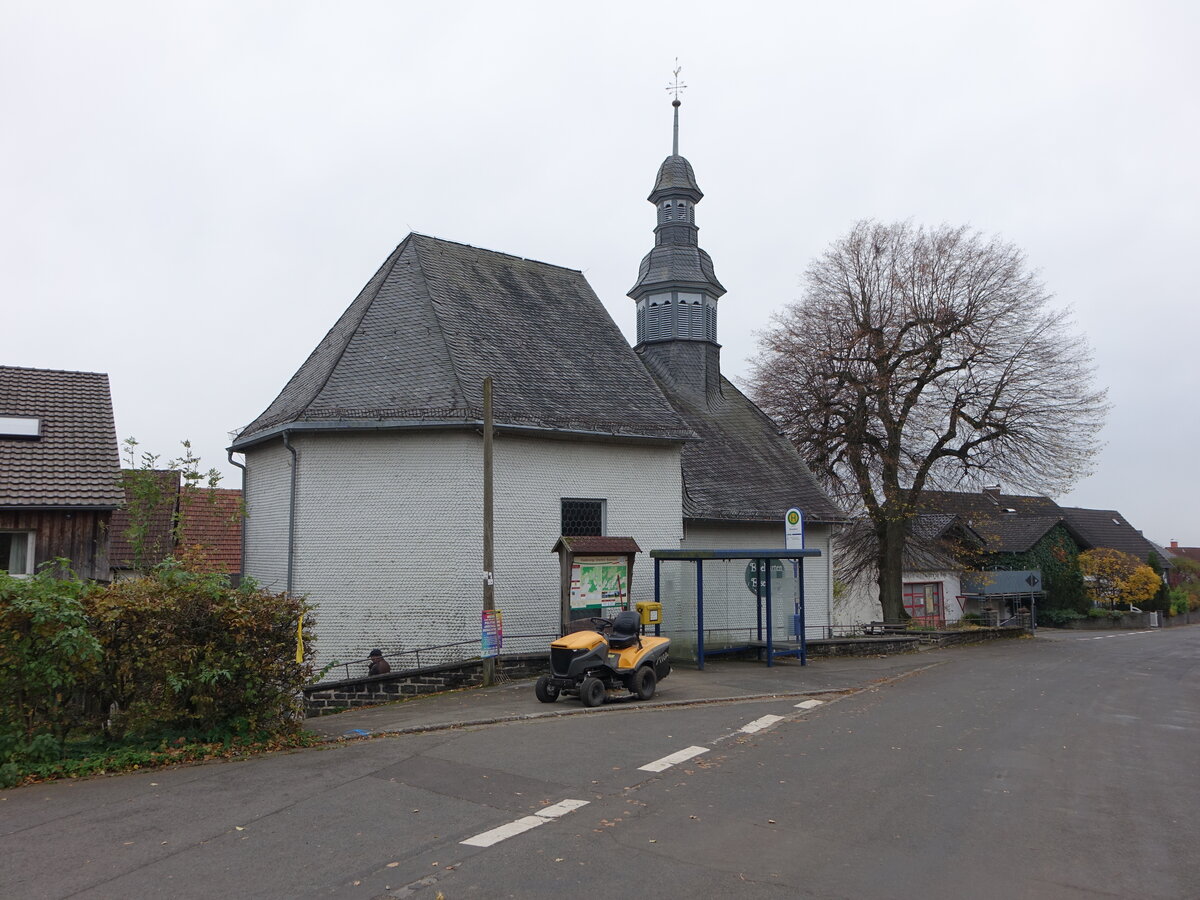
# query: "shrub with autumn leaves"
179, 654
1113, 578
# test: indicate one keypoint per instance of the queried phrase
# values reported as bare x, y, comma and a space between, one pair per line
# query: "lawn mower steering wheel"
600, 622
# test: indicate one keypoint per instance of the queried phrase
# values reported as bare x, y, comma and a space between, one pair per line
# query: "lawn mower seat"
625, 627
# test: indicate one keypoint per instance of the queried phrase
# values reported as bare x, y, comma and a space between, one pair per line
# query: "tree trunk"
890, 563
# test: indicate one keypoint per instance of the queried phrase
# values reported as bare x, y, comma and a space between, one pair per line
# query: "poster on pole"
493, 634
598, 585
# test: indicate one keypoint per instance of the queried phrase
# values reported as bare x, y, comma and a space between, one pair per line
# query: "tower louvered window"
691, 316
659, 313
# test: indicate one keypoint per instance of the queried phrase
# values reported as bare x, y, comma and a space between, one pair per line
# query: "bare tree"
921, 358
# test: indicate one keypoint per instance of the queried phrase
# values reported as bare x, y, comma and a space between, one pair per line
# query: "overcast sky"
192, 193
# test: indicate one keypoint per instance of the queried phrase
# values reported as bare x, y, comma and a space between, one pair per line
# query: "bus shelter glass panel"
734, 603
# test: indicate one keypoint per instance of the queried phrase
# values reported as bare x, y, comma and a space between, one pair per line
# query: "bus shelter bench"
884, 628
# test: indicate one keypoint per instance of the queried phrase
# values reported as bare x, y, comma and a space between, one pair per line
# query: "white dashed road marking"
1101, 637
760, 724
561, 809
512, 829
525, 823
661, 765
809, 704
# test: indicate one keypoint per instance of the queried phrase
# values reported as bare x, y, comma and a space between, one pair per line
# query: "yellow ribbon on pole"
300, 639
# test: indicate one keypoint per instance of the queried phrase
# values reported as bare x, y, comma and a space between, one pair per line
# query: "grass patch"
84, 757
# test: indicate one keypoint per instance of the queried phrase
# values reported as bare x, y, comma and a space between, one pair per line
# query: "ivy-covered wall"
1057, 556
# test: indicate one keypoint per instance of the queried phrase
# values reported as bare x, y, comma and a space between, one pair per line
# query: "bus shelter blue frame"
762, 560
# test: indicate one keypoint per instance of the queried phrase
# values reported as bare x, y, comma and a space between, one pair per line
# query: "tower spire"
676, 87
677, 291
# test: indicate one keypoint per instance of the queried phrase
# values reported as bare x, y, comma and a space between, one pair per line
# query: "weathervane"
676, 87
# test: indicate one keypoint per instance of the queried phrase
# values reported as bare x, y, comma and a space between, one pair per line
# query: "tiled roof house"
1108, 528
157, 522
1022, 531
364, 476
206, 522
59, 470
211, 525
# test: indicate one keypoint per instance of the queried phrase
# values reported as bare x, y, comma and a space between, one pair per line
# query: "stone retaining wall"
1187, 618
974, 636
339, 695
1128, 620
862, 646
907, 643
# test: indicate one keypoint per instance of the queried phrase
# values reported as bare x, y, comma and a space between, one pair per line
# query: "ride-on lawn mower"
611, 656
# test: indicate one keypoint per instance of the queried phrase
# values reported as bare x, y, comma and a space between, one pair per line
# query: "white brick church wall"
389, 529
266, 496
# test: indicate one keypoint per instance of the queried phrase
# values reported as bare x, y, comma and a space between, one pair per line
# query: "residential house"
990, 531
59, 470
934, 561
162, 518
1020, 532
1108, 528
1176, 574
1192, 553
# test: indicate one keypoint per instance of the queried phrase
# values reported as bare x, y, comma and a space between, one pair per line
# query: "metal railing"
435, 655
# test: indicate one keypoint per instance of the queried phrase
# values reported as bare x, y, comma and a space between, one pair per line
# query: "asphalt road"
1059, 767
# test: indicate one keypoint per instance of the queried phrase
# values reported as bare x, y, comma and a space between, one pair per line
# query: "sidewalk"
725, 680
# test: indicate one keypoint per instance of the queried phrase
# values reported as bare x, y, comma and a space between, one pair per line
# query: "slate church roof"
742, 468
72, 462
414, 348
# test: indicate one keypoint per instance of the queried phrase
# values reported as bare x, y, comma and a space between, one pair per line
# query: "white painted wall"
389, 529
266, 485
861, 603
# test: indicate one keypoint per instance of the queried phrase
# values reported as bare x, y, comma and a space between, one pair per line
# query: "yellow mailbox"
651, 612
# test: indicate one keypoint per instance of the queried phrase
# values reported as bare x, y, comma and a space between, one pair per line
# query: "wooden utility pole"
489, 587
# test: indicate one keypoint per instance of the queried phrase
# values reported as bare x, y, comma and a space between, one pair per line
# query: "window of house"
26, 427
924, 600
582, 517
16, 552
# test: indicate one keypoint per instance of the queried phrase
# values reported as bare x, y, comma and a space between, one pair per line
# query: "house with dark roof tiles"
59, 470
1108, 528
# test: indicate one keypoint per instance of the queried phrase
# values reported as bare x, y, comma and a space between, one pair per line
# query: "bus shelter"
761, 634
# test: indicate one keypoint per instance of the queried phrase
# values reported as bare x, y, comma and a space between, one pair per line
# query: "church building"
363, 479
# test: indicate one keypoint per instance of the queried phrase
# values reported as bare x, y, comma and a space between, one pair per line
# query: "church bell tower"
677, 291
